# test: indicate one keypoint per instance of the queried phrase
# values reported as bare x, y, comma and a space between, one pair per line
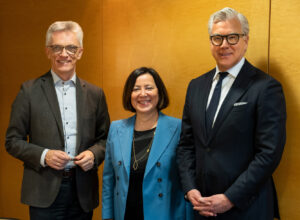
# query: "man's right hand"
56, 159
200, 204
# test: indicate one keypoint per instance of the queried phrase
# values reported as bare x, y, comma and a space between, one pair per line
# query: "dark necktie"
214, 102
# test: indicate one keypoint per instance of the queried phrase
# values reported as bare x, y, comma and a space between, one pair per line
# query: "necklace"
135, 164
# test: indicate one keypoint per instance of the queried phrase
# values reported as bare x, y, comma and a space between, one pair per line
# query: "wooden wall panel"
284, 65
23, 25
171, 36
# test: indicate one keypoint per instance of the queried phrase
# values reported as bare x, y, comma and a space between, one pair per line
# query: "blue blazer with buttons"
162, 199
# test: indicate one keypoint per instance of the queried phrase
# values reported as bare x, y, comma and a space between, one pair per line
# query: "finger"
207, 214
204, 201
203, 208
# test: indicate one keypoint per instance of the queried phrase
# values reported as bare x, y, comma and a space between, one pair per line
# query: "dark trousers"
65, 207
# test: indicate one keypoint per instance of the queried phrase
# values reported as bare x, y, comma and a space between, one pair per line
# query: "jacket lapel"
50, 93
125, 136
80, 104
163, 135
239, 87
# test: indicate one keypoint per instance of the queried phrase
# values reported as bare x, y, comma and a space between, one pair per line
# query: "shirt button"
66, 108
67, 137
67, 122
119, 163
65, 93
159, 180
158, 164
160, 195
118, 178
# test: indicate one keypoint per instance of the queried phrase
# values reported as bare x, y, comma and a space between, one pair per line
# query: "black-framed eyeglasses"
231, 39
58, 49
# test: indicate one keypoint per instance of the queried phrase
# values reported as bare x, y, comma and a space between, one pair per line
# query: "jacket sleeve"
269, 142
18, 131
102, 126
186, 151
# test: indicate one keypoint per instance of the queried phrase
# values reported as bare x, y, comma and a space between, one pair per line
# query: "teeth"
63, 61
144, 102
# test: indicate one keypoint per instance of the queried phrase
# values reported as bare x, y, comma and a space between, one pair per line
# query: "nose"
143, 92
224, 43
64, 52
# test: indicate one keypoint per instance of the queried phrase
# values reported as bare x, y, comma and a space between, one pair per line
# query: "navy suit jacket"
243, 148
36, 124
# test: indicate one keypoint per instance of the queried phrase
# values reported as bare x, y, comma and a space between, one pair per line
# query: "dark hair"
163, 100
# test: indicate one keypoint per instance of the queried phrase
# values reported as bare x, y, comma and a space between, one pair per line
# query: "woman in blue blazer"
140, 178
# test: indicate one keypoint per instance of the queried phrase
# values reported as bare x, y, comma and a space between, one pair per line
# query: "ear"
246, 39
79, 54
48, 52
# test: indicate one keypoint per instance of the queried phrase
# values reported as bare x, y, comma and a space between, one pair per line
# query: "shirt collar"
233, 71
57, 79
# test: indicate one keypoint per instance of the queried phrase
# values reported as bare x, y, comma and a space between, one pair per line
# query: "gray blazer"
36, 124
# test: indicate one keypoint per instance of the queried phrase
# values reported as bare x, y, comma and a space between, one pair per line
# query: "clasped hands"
209, 206
58, 159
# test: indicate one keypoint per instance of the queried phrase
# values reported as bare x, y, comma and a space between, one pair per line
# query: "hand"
199, 204
56, 159
219, 204
85, 160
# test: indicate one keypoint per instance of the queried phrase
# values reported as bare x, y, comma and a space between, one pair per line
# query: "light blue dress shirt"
66, 96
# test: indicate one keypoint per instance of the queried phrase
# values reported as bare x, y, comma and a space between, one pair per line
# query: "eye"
136, 89
149, 88
56, 48
72, 48
232, 37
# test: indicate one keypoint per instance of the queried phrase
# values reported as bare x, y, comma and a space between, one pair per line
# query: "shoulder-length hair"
163, 100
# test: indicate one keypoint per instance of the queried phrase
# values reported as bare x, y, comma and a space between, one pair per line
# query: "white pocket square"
240, 103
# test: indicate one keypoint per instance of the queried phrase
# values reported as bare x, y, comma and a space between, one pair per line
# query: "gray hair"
64, 26
227, 14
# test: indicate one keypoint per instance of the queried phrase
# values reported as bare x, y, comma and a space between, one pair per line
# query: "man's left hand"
219, 203
85, 160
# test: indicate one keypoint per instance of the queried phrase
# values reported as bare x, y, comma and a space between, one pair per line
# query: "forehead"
226, 27
64, 38
144, 79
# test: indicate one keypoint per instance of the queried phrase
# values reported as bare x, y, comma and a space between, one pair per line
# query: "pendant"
135, 165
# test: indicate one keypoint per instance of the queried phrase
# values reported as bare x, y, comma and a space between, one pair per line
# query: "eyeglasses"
58, 49
231, 39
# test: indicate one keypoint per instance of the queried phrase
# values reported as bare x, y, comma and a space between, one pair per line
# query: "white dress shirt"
226, 84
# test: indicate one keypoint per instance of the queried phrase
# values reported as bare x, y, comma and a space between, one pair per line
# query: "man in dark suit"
233, 130
58, 128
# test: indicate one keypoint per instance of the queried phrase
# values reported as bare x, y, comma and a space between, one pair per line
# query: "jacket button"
158, 164
160, 195
207, 149
117, 177
159, 180
119, 163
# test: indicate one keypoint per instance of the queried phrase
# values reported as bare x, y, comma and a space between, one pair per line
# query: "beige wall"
284, 65
169, 35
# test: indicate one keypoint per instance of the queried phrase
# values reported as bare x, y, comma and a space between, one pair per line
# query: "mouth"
144, 102
225, 55
63, 61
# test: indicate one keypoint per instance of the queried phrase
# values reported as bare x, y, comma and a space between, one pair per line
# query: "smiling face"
64, 64
144, 96
227, 55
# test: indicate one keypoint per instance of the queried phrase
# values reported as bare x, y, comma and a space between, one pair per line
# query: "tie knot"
223, 75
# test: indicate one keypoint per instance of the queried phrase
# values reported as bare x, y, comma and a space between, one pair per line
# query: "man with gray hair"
58, 129
233, 130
